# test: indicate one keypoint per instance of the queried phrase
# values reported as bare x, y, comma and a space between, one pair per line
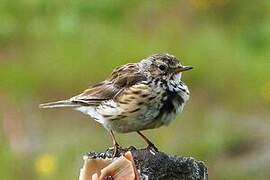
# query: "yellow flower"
45, 164
266, 91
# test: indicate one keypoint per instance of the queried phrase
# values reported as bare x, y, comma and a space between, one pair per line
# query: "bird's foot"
152, 147
117, 151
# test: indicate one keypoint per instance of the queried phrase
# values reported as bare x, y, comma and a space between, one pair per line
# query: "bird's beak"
182, 68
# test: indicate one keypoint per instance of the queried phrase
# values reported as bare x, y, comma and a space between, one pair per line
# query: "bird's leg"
150, 144
116, 146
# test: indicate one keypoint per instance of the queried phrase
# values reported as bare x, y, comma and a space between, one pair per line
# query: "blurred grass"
51, 50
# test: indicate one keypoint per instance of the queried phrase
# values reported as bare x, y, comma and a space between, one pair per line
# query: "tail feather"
63, 103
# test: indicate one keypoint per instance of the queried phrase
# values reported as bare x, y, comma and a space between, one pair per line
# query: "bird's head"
163, 65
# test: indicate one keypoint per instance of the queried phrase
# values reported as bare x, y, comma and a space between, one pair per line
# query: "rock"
158, 165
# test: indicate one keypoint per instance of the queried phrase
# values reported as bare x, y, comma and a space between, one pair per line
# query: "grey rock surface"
158, 165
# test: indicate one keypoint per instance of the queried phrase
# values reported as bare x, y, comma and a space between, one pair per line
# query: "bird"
135, 97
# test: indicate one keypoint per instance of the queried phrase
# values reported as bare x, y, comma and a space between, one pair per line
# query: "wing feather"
122, 78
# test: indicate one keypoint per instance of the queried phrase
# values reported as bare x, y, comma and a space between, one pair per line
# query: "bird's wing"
120, 79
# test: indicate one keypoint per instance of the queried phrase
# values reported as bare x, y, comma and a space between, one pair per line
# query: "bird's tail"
63, 103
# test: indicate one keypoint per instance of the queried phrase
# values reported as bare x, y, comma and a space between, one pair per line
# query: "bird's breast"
172, 105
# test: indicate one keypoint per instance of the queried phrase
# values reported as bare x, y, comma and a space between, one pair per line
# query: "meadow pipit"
135, 97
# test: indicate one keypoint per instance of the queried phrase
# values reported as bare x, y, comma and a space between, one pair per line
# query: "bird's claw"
152, 147
117, 151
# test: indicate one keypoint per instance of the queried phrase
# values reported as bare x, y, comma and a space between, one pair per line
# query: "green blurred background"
54, 49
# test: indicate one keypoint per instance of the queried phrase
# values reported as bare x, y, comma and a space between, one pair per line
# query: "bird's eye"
162, 67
